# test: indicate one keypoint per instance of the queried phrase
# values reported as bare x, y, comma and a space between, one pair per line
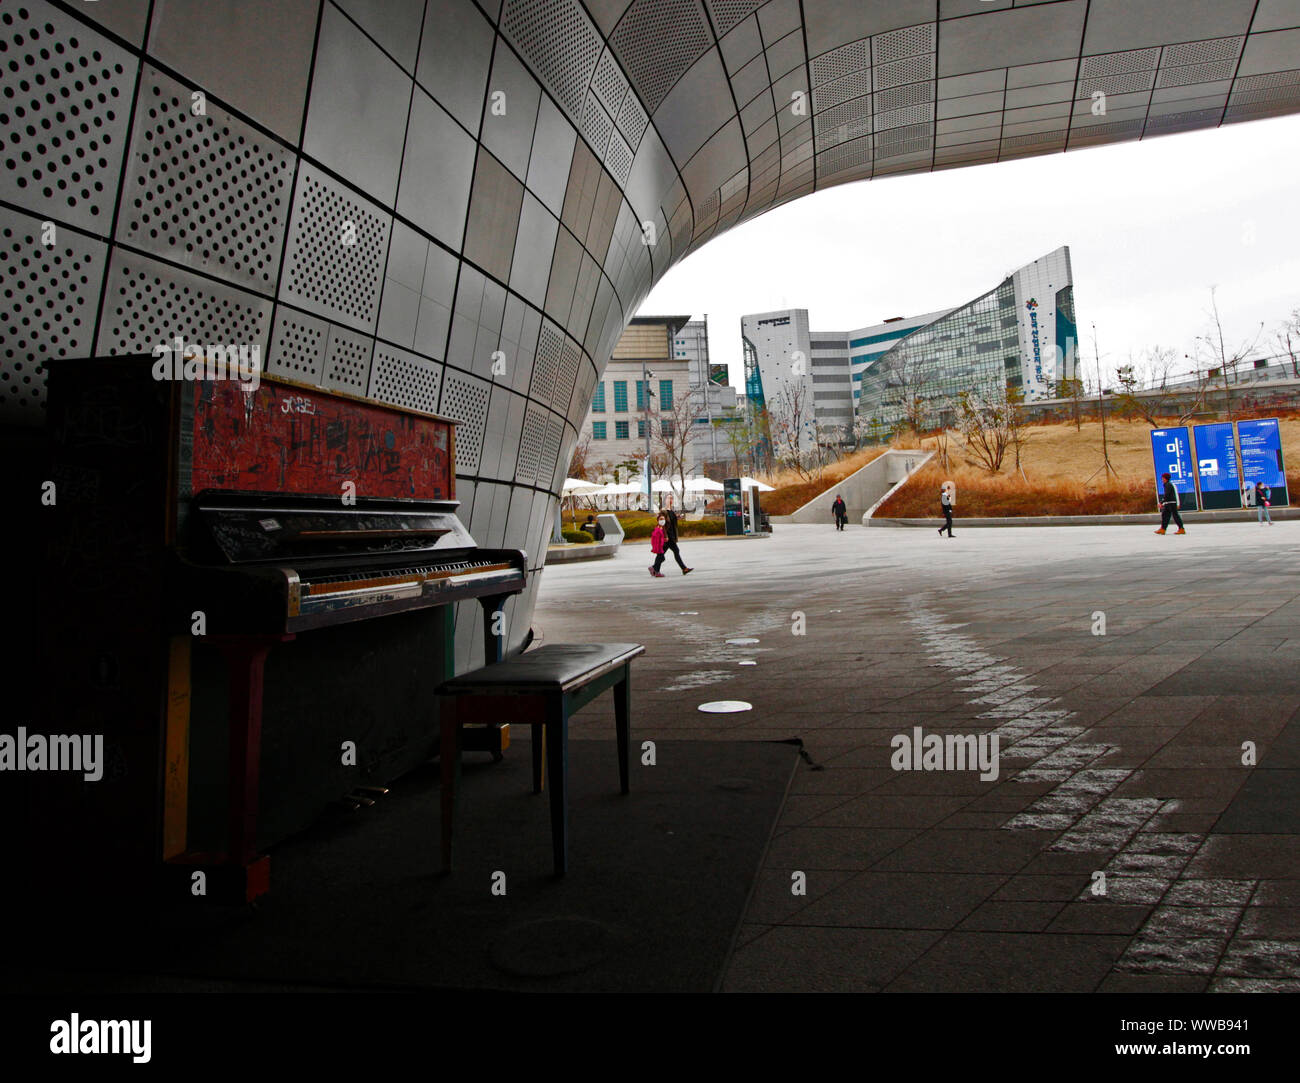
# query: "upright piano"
250, 590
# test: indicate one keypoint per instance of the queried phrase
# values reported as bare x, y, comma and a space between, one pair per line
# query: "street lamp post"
646, 376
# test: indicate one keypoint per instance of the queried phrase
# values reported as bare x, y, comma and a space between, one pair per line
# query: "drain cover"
551, 947
743, 641
726, 706
749, 663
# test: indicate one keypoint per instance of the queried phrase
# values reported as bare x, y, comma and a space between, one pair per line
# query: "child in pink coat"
658, 546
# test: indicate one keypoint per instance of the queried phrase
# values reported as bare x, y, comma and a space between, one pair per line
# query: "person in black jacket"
945, 503
841, 512
1169, 507
670, 529
594, 528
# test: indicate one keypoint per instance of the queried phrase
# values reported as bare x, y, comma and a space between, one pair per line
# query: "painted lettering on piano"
294, 440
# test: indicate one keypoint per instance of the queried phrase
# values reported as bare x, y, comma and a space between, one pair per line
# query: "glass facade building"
1021, 334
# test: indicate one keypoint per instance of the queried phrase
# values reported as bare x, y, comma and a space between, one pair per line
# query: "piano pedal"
376, 791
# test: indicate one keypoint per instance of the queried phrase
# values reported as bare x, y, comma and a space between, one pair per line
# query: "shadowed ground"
1121, 754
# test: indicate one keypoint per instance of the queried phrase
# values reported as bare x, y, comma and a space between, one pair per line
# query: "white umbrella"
703, 485
660, 486
752, 483
579, 485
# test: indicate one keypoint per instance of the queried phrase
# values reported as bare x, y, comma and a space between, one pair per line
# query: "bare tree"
1072, 390
580, 461
789, 424
1224, 359
985, 423
1287, 337
1149, 392
676, 431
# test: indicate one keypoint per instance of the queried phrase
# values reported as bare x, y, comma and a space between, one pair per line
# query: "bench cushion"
556, 667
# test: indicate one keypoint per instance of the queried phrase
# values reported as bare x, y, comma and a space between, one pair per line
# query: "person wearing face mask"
668, 520
658, 540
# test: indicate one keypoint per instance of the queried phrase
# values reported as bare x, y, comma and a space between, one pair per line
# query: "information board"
1216, 466
733, 509
1261, 457
1171, 453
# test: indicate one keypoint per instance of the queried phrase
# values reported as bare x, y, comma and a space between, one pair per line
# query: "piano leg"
494, 628
245, 663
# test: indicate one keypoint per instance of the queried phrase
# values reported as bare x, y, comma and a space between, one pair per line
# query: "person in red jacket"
658, 542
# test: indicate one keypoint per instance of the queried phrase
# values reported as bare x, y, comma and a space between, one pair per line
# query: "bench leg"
449, 764
557, 776
622, 709
538, 755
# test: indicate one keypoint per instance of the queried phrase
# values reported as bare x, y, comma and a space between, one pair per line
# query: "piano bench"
540, 688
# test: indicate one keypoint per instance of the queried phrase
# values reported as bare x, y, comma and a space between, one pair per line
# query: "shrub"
577, 537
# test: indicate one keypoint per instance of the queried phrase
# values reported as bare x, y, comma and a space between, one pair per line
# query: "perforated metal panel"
845, 156
530, 445
854, 85
906, 140
708, 206
67, 100
465, 399
548, 461
1093, 67
568, 374
843, 123
727, 13
897, 44
206, 191
915, 69
1107, 133
609, 83
1033, 139
903, 96
618, 159
632, 120
546, 369
1265, 82
1201, 52
596, 125
48, 298
559, 42
147, 303
347, 361
657, 40
323, 273
404, 379
1132, 82
913, 114
1186, 120
855, 56
297, 345
1187, 74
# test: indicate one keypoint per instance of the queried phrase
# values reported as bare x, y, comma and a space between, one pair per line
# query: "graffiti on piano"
307, 442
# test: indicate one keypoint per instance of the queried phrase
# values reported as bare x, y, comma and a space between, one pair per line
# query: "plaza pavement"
1121, 754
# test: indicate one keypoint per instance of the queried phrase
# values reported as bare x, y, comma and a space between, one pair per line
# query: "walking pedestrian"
1263, 497
669, 519
946, 503
841, 512
1169, 507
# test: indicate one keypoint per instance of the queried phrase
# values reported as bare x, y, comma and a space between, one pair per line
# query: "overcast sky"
1151, 227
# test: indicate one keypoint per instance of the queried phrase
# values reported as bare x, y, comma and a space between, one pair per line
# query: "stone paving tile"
812, 959
1100, 915
901, 900
1000, 915
1110, 748
1249, 958
774, 902
1247, 856
941, 850
971, 962
834, 847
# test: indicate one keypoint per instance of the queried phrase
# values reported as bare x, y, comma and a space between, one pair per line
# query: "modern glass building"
1021, 334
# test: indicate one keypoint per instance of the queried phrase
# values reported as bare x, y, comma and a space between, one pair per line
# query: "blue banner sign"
1171, 453
1216, 466
1261, 457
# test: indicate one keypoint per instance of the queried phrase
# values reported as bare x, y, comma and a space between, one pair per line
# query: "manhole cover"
743, 641
551, 947
725, 706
